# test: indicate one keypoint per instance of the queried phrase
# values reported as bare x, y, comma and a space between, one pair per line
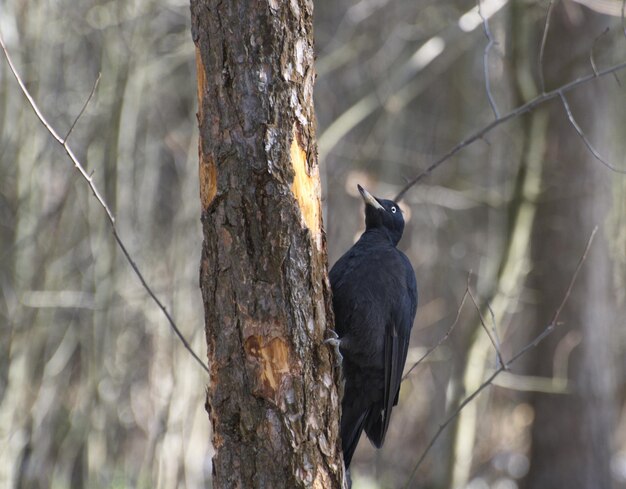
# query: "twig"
93, 90
592, 58
522, 109
482, 322
490, 43
542, 48
593, 47
494, 327
580, 132
54, 134
538, 339
78, 165
578, 267
442, 339
623, 21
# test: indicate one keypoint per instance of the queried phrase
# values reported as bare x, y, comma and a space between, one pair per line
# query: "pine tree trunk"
272, 396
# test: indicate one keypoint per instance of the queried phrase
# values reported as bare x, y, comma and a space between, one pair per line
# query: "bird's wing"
396, 346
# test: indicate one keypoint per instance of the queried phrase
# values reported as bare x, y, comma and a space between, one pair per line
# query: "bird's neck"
378, 235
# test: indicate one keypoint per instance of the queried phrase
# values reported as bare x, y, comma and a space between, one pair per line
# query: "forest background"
96, 391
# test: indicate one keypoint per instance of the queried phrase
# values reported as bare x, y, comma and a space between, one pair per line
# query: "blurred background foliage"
95, 391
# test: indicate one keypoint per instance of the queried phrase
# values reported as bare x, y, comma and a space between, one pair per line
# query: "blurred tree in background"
95, 390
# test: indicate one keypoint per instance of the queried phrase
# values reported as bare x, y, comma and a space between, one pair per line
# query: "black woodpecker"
374, 300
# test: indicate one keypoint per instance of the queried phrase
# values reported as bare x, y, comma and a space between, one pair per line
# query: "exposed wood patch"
273, 361
207, 169
306, 188
201, 78
207, 178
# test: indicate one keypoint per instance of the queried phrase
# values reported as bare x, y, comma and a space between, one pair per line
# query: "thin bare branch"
571, 283
442, 339
593, 47
484, 325
538, 339
93, 90
494, 327
522, 109
490, 43
54, 134
542, 48
623, 21
87, 177
592, 57
580, 132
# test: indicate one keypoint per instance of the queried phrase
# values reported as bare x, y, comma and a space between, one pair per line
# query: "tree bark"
272, 396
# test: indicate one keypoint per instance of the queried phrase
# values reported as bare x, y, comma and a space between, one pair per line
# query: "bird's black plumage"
374, 300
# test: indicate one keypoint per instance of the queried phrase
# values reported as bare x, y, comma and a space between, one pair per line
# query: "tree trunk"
272, 397
571, 435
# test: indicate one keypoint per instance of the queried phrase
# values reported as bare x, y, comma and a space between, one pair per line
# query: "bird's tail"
377, 422
375, 425
352, 423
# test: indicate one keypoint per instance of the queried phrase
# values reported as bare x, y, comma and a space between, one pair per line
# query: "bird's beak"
369, 198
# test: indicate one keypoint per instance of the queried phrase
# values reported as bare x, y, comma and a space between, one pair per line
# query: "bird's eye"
393, 209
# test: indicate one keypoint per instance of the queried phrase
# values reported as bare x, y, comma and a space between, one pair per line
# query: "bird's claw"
332, 333
335, 342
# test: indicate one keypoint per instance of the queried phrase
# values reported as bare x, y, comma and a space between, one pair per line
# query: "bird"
374, 298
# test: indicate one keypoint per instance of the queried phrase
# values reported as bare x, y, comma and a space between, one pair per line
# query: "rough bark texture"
272, 398
571, 436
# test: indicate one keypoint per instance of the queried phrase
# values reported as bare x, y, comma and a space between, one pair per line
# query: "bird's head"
383, 214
